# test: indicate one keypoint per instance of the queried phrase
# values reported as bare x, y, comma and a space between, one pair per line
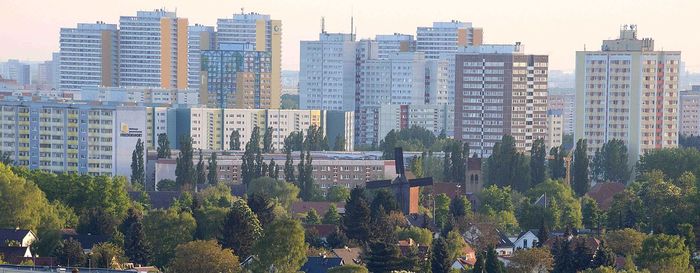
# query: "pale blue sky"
556, 27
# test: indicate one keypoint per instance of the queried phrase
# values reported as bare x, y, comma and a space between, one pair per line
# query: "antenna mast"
323, 24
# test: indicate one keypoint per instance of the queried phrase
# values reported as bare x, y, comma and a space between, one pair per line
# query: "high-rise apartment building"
434, 118
199, 38
264, 34
566, 103
555, 129
327, 75
689, 118
447, 37
72, 138
398, 80
236, 76
392, 43
211, 128
153, 50
627, 91
88, 56
16, 71
500, 90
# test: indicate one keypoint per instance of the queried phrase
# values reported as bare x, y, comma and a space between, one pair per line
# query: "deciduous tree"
281, 248
241, 229
188, 258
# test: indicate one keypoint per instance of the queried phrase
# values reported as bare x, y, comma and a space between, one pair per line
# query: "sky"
30, 28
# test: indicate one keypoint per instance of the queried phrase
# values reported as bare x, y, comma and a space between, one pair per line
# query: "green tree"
582, 256
417, 166
557, 165
165, 230
531, 260
538, 155
422, 236
348, 268
383, 257
685, 230
610, 162
263, 207
339, 144
234, 141
332, 217
184, 169
460, 207
138, 171
305, 180
479, 266
356, 219
625, 242
492, 264
281, 248
136, 246
563, 256
337, 194
163, 150
241, 229
672, 162
440, 260
442, 209
590, 213
604, 256
580, 179
24, 205
104, 255
188, 258
665, 253
507, 167
70, 253
200, 173
496, 199
210, 221
167, 185
288, 164
267, 141
312, 218
212, 170
283, 192
385, 200
455, 245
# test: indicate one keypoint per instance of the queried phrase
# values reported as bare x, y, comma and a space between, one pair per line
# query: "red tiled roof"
603, 193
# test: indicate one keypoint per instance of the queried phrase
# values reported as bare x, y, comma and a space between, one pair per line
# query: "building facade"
434, 118
330, 169
327, 72
72, 138
199, 38
397, 80
138, 95
265, 35
566, 103
689, 118
627, 91
236, 76
153, 47
393, 43
88, 56
555, 129
447, 37
16, 71
211, 128
499, 91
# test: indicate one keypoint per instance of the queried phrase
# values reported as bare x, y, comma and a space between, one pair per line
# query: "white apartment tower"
88, 56
627, 91
153, 50
397, 42
265, 34
689, 122
199, 38
446, 37
327, 76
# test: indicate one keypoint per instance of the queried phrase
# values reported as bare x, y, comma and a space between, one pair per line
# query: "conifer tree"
212, 170
440, 260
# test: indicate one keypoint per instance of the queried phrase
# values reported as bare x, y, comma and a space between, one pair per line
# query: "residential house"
350, 255
16, 237
321, 264
526, 239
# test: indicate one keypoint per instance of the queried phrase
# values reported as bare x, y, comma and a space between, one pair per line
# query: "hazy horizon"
556, 28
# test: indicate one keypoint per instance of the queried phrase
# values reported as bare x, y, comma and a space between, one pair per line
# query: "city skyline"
574, 25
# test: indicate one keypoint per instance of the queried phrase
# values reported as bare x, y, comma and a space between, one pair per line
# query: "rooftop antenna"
323, 24
242, 10
352, 25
